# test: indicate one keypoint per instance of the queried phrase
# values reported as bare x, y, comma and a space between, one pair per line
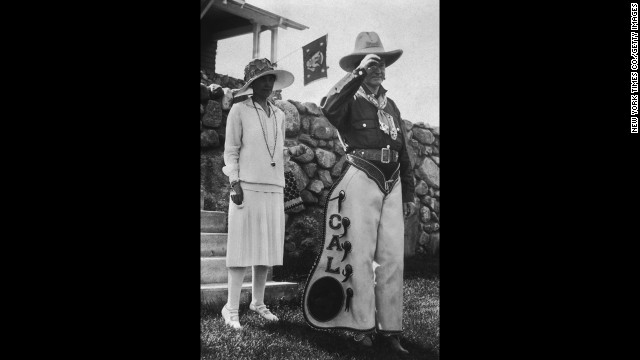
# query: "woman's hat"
368, 43
261, 67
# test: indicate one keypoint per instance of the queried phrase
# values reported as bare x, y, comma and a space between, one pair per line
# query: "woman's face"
377, 76
263, 86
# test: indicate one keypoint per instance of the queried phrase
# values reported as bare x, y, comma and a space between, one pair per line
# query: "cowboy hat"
258, 68
368, 43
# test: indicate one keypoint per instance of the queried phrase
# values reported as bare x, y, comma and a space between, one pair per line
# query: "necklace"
264, 135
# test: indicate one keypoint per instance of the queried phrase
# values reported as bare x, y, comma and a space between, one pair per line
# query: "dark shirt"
357, 121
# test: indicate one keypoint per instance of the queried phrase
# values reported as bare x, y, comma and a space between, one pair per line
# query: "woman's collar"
250, 102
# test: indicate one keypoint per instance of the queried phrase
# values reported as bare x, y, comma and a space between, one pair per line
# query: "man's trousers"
363, 224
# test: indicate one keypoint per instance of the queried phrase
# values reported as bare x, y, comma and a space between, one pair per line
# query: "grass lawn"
292, 338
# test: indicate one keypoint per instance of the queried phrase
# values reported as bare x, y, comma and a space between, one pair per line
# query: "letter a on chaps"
332, 298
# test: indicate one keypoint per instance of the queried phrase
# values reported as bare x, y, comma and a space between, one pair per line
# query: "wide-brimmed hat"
368, 42
258, 68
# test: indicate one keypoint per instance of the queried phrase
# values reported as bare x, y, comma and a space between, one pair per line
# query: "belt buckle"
382, 156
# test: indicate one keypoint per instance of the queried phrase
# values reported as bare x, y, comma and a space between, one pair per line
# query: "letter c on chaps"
331, 224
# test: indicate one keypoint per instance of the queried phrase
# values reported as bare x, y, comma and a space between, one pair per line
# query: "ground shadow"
425, 266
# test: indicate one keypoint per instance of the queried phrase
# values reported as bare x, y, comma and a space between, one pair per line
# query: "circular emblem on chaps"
325, 299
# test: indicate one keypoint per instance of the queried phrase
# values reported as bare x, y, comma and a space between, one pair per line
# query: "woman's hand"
297, 150
237, 196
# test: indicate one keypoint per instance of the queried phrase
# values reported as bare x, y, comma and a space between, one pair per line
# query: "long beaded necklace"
275, 131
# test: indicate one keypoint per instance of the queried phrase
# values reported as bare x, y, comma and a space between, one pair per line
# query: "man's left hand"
408, 209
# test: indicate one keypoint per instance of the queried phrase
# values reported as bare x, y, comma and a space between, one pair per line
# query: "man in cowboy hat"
363, 217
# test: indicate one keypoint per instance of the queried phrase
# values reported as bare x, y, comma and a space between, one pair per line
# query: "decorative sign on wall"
314, 58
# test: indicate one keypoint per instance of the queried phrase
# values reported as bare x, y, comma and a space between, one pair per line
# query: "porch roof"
229, 18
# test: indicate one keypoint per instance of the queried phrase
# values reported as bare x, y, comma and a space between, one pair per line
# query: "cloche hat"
368, 42
258, 68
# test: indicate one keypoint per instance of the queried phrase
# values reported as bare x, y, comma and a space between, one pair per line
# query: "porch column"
256, 40
274, 44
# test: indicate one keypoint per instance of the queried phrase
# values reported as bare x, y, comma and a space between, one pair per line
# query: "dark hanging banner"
314, 57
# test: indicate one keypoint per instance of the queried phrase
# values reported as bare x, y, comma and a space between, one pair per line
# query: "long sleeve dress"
256, 227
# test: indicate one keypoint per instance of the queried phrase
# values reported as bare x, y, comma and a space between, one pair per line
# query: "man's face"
263, 86
377, 75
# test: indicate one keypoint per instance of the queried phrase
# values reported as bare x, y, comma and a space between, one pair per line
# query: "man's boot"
394, 342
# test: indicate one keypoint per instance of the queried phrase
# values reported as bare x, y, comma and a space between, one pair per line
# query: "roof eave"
263, 17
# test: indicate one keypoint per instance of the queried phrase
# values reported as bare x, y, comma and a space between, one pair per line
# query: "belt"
383, 155
374, 173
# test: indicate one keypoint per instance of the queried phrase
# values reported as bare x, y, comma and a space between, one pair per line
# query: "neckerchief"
385, 120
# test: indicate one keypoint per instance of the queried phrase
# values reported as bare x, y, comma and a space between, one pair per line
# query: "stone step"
217, 293
214, 270
213, 221
213, 244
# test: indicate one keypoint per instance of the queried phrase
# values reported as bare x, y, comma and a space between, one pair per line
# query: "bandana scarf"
385, 120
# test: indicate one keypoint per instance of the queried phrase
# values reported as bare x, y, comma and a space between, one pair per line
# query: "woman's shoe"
363, 339
231, 317
263, 311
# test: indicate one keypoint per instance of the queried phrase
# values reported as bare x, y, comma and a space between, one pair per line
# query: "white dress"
256, 227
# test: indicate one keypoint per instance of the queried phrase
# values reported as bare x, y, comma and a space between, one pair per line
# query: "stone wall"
318, 168
424, 152
216, 98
